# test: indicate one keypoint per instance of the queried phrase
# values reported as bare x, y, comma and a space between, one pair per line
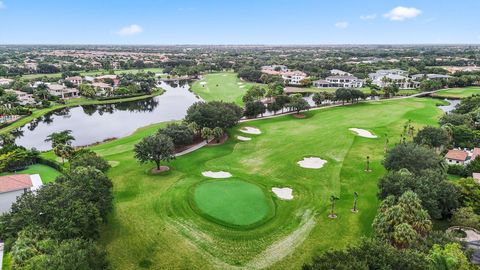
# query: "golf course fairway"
155, 223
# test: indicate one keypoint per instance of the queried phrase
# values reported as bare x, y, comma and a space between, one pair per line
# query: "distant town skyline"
272, 22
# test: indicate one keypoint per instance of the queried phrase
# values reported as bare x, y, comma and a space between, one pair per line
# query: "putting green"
233, 202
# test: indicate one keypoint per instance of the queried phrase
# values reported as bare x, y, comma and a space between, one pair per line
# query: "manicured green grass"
48, 174
153, 220
224, 86
232, 202
457, 93
93, 73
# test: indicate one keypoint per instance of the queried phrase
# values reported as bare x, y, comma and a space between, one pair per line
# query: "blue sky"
239, 22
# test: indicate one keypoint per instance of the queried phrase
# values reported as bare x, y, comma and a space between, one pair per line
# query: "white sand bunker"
251, 130
363, 133
283, 193
239, 83
220, 174
312, 163
203, 83
241, 138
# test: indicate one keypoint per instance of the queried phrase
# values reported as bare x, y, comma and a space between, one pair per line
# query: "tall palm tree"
333, 198
62, 137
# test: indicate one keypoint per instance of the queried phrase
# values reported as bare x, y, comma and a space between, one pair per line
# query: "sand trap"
239, 83
113, 163
312, 163
220, 174
242, 86
241, 138
203, 83
251, 130
363, 133
283, 193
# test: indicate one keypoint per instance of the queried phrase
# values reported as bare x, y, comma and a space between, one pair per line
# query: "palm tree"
217, 133
333, 198
64, 151
355, 198
63, 137
206, 133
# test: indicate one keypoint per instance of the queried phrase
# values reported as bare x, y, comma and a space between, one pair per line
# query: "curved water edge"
96, 123
452, 104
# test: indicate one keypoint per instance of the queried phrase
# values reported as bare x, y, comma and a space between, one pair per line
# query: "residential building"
339, 81
430, 77
22, 97
13, 186
62, 91
461, 156
5, 81
102, 88
75, 80
339, 72
292, 77
387, 77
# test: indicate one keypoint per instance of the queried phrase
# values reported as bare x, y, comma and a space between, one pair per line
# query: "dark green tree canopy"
414, 158
155, 148
180, 134
214, 114
432, 137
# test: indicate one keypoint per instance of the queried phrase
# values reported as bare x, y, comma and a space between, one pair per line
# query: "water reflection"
95, 123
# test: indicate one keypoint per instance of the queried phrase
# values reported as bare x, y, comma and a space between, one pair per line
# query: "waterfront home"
291, 77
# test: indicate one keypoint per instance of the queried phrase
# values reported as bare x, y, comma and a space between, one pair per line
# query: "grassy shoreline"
71, 103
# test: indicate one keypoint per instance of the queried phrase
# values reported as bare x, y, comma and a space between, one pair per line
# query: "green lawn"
93, 73
153, 221
457, 93
48, 174
224, 86
232, 202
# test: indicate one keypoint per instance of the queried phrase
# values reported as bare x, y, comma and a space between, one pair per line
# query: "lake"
95, 123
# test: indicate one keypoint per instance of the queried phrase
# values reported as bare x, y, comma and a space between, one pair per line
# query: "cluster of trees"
462, 123
14, 157
276, 100
204, 120
56, 226
414, 191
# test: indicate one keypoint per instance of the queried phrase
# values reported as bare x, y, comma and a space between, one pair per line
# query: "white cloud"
2, 5
368, 17
130, 30
341, 25
402, 13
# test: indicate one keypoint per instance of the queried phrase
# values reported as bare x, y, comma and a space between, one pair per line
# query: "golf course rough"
233, 203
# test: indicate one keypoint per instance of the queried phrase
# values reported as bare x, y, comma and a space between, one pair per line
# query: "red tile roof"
475, 153
457, 155
15, 182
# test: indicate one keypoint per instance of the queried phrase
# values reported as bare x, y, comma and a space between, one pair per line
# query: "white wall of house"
7, 199
455, 162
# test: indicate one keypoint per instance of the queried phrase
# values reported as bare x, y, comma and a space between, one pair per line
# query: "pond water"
95, 123
452, 103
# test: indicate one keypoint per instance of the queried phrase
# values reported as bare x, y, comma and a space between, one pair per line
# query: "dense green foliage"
414, 158
214, 114
155, 148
